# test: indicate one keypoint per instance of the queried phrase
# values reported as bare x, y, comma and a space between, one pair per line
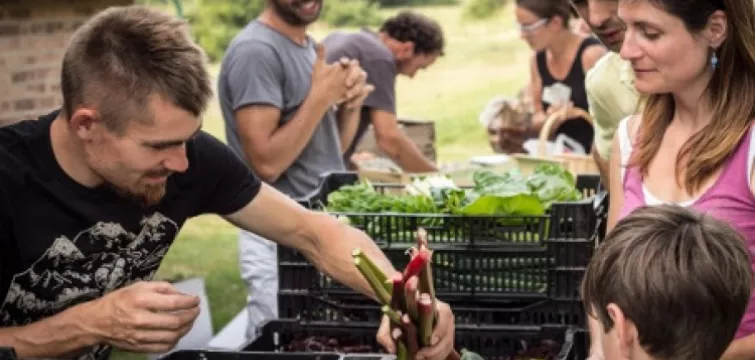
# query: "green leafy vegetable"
552, 183
517, 204
508, 193
468, 355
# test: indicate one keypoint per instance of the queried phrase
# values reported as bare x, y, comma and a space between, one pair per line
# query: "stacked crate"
496, 272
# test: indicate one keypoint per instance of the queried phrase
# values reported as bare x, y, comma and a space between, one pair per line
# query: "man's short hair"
424, 32
123, 55
683, 279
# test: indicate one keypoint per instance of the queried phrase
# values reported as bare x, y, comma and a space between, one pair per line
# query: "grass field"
483, 59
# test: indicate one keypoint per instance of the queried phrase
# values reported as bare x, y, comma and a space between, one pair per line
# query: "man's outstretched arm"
323, 240
397, 145
328, 244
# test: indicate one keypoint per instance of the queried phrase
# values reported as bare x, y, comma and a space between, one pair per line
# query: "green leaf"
449, 199
518, 204
506, 194
553, 183
469, 355
506, 184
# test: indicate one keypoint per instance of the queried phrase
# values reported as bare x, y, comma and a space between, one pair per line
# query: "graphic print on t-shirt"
98, 260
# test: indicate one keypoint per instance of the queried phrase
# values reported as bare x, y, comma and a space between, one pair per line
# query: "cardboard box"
422, 133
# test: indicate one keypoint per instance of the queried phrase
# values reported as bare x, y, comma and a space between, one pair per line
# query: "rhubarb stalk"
401, 351
426, 317
426, 275
421, 238
426, 287
397, 298
410, 331
417, 263
410, 297
377, 286
379, 274
392, 314
407, 298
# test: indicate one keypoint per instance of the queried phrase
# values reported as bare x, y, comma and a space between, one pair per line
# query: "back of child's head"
670, 282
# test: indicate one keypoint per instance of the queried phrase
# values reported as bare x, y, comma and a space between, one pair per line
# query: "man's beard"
289, 15
144, 195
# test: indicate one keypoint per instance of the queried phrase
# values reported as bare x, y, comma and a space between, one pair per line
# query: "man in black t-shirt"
93, 195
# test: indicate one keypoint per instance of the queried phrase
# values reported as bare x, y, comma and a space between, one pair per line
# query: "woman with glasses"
562, 57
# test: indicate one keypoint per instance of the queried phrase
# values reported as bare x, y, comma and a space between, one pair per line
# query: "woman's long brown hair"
731, 93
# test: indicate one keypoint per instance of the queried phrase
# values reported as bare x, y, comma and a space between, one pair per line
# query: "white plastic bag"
562, 145
492, 109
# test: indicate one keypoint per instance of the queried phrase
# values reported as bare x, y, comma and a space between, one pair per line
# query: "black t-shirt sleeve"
5, 243
226, 184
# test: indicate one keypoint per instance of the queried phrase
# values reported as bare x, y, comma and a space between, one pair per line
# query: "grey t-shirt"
262, 66
379, 64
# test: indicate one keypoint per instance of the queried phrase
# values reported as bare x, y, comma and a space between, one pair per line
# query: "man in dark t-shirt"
405, 44
92, 196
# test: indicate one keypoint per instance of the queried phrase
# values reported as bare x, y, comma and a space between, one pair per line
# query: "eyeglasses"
528, 28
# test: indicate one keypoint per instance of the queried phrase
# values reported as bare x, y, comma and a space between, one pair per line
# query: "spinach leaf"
506, 194
553, 183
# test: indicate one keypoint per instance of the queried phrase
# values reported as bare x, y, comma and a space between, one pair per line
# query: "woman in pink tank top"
694, 60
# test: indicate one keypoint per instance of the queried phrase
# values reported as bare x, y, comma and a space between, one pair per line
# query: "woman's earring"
714, 60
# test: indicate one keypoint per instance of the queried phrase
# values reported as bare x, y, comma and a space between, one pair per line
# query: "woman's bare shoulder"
631, 124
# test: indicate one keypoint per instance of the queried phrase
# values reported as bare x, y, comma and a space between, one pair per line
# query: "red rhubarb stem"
417, 263
410, 297
410, 332
397, 297
426, 318
426, 285
426, 274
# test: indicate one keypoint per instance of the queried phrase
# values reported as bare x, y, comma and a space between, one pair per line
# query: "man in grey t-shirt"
404, 44
277, 95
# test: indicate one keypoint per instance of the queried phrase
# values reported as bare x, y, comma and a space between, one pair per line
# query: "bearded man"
291, 115
93, 195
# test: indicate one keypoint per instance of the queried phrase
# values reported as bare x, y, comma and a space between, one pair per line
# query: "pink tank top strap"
734, 179
631, 176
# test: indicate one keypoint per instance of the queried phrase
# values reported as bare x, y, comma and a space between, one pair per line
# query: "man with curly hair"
404, 44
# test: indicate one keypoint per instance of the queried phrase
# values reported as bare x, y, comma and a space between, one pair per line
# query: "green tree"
482, 9
351, 13
215, 22
397, 3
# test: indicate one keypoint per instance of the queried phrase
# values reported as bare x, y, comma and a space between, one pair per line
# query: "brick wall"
33, 37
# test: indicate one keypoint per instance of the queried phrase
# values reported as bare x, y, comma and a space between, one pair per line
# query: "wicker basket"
576, 164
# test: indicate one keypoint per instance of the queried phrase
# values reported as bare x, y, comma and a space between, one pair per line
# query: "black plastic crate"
246, 355
491, 342
8, 353
506, 272
306, 306
483, 257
